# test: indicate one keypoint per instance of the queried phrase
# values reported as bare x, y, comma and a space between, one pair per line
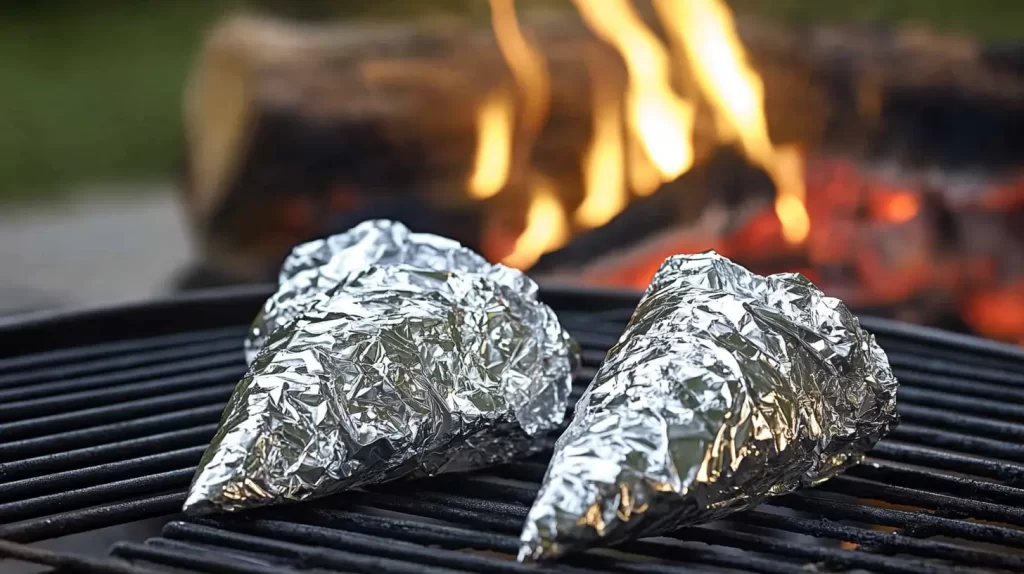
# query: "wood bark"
288, 122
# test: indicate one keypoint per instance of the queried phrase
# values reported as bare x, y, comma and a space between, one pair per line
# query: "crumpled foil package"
385, 354
726, 388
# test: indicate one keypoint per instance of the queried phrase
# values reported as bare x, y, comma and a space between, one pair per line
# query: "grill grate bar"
145, 409
344, 540
944, 504
960, 387
960, 403
710, 556
888, 473
114, 451
916, 524
944, 367
939, 340
108, 364
98, 494
406, 529
126, 347
217, 394
99, 474
832, 557
958, 442
297, 555
130, 376
256, 534
508, 518
943, 419
873, 541
110, 433
955, 462
489, 488
76, 521
496, 521
905, 347
193, 558
98, 398
65, 562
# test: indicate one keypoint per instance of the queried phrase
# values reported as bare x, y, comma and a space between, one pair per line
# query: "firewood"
286, 121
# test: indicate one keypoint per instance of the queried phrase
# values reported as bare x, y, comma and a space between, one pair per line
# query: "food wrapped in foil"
726, 387
385, 354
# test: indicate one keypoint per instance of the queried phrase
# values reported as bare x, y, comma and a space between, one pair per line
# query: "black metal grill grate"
104, 415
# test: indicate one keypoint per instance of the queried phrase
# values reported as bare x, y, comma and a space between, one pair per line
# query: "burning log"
606, 146
692, 213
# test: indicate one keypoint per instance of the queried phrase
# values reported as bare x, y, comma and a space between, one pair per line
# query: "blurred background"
149, 147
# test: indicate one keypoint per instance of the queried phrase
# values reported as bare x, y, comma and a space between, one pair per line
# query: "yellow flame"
546, 226
644, 178
790, 195
705, 30
661, 120
604, 161
494, 122
527, 63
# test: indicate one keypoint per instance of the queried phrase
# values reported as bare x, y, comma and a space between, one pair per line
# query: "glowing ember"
900, 207
706, 32
546, 226
495, 119
603, 164
660, 119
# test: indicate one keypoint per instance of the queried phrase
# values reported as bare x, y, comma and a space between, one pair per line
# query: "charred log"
295, 130
726, 184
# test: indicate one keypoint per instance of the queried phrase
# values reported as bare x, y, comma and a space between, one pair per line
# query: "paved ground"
100, 248
96, 249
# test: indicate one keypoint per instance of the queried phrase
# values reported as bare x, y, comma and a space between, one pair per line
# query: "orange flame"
660, 119
644, 178
900, 207
528, 65
494, 146
546, 226
791, 192
603, 163
705, 30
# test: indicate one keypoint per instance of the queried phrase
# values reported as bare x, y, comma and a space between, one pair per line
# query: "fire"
900, 207
528, 65
604, 162
643, 137
705, 31
546, 226
494, 119
644, 178
791, 193
659, 118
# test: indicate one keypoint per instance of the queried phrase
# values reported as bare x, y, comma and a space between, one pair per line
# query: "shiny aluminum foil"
726, 388
385, 354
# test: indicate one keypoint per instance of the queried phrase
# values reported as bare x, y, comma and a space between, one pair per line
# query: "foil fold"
385, 354
726, 387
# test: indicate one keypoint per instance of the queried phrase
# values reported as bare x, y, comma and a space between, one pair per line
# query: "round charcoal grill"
104, 414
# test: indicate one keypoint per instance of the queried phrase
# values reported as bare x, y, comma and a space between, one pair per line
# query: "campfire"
586, 145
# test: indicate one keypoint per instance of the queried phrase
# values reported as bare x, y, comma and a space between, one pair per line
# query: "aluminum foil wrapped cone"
385, 354
726, 387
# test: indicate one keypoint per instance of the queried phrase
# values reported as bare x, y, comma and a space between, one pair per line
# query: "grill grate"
103, 416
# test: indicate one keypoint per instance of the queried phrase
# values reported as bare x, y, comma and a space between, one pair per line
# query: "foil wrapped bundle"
726, 387
385, 354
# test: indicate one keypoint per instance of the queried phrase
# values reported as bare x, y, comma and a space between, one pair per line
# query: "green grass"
91, 91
